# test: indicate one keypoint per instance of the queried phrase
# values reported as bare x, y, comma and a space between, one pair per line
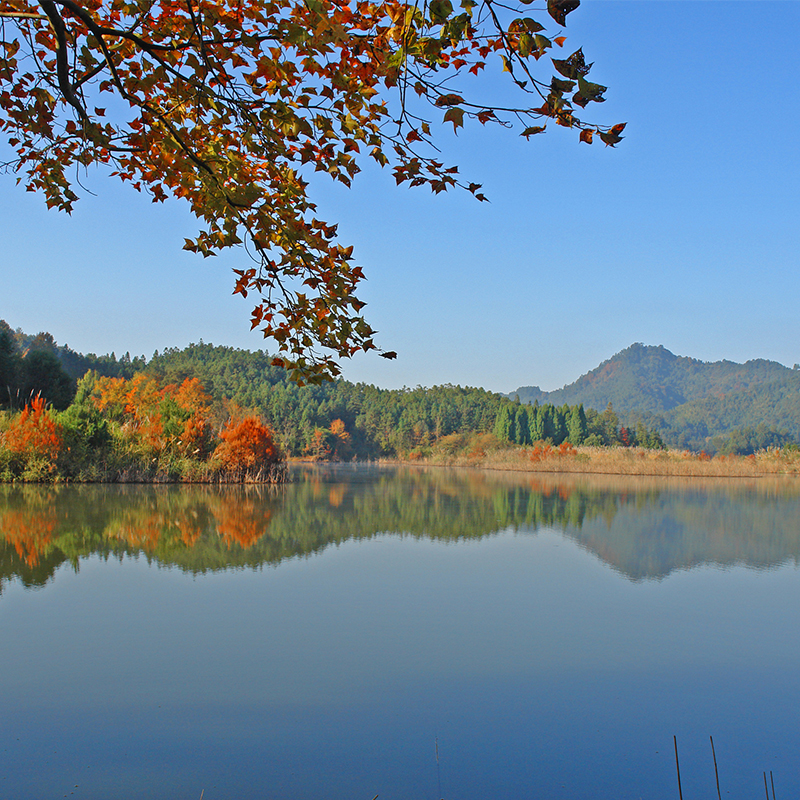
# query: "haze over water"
400, 632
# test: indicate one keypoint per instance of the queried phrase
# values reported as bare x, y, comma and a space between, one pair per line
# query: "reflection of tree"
29, 532
240, 521
643, 529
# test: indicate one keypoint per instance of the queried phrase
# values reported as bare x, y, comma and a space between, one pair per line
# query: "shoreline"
614, 461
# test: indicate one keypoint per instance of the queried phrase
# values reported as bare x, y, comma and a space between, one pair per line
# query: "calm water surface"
408, 633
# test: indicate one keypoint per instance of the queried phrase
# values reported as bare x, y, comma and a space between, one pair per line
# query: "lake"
401, 632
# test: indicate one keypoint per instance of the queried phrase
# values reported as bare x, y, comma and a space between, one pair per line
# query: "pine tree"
576, 425
502, 425
560, 424
547, 424
523, 426
535, 421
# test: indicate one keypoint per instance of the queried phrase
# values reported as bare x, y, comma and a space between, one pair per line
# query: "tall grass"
485, 451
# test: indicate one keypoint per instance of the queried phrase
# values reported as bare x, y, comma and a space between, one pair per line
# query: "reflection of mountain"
643, 530
683, 529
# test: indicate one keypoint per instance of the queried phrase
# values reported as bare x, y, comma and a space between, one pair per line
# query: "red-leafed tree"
247, 445
232, 105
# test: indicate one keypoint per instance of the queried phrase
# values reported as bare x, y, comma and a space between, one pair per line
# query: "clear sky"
684, 235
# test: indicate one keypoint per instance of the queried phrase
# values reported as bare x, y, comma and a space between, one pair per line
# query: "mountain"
688, 401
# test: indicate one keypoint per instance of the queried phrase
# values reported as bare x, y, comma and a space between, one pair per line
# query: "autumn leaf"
449, 100
588, 92
456, 116
558, 9
572, 67
440, 10
612, 136
232, 107
528, 132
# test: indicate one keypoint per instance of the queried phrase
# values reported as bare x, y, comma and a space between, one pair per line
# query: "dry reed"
614, 460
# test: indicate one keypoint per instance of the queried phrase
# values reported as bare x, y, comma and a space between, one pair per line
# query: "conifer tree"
502, 425
576, 426
535, 423
523, 426
547, 423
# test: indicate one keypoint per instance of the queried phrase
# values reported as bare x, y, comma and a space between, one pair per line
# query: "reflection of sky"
533, 663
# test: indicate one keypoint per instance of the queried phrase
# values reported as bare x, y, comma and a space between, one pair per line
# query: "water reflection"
643, 528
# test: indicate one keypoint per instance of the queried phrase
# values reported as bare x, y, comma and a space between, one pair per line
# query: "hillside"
689, 401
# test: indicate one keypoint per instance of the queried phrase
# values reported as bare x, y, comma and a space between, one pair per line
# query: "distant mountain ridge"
689, 401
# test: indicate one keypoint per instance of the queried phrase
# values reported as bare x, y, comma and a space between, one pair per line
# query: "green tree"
86, 433
42, 373
546, 423
608, 426
504, 424
535, 423
560, 416
10, 366
577, 430
523, 426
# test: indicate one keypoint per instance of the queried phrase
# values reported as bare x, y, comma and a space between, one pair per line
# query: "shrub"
247, 446
34, 437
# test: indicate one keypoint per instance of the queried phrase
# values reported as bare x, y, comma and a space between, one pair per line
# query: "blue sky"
684, 235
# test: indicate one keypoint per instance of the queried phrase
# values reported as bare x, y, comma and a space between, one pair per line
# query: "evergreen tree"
576, 425
523, 426
512, 427
609, 426
502, 425
560, 416
546, 423
535, 423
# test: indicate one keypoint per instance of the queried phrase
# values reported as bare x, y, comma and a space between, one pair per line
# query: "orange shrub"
247, 445
34, 432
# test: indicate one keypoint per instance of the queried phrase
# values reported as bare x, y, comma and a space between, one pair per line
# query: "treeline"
311, 420
524, 424
37, 365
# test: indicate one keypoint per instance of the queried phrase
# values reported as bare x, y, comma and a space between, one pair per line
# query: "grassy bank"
485, 451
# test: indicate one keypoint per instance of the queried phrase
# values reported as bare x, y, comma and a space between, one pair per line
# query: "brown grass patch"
565, 458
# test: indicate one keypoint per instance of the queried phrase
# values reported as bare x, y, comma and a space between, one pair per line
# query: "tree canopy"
233, 105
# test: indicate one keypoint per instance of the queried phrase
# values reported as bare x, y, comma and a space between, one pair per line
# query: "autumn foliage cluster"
138, 429
34, 434
175, 417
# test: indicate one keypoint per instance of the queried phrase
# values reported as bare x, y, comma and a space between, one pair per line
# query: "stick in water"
716, 772
438, 771
678, 767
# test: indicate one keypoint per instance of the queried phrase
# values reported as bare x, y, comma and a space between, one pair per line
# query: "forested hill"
689, 401
653, 380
